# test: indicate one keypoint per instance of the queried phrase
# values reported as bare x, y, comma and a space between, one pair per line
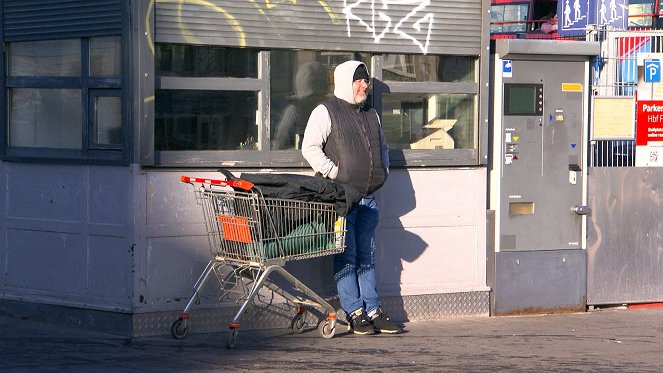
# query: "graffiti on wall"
414, 25
407, 19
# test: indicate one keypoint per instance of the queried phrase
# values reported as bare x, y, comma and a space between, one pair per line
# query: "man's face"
360, 90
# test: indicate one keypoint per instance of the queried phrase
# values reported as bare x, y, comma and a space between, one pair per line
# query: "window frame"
265, 157
88, 154
525, 22
89, 130
226, 158
429, 157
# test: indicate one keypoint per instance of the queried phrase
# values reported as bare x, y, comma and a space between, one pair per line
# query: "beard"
361, 98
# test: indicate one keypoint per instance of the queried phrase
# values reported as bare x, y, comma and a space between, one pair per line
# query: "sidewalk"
610, 340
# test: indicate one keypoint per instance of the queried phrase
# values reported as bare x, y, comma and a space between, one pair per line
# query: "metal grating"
278, 315
55, 19
613, 153
615, 74
444, 27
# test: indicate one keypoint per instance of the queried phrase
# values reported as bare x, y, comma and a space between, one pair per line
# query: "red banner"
649, 122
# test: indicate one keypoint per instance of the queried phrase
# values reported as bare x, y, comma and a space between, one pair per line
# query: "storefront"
109, 102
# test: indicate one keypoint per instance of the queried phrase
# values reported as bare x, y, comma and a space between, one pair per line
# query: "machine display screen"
523, 99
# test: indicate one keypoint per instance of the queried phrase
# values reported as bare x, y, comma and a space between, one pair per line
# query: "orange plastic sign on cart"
235, 228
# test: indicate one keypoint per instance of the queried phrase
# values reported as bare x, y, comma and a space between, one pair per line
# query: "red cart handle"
241, 184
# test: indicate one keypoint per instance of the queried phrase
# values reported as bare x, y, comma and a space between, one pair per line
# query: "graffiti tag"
380, 22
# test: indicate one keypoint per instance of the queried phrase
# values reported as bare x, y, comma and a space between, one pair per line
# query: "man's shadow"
395, 243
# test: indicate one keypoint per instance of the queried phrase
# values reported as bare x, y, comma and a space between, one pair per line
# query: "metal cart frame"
251, 237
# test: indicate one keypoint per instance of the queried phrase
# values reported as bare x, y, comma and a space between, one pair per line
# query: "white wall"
431, 238
113, 238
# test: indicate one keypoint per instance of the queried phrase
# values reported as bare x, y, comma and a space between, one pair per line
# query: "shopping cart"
251, 237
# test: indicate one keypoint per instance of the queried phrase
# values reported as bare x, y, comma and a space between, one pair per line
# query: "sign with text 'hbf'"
649, 134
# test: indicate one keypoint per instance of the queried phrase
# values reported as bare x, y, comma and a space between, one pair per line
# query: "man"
343, 141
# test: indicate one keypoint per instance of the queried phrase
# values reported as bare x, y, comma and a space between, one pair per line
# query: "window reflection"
419, 121
45, 118
417, 68
300, 80
107, 121
106, 56
206, 61
645, 8
508, 18
45, 58
206, 120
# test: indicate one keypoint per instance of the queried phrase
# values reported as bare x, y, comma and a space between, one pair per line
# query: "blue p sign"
652, 70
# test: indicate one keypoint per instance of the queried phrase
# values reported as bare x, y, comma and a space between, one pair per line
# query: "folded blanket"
304, 239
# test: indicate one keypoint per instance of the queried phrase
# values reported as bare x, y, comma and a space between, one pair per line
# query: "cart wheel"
179, 328
231, 338
298, 322
326, 330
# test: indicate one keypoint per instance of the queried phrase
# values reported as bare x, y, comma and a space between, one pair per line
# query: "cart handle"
242, 184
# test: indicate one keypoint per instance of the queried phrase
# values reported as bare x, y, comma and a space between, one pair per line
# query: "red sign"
649, 122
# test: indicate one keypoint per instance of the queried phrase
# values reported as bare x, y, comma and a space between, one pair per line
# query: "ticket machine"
538, 168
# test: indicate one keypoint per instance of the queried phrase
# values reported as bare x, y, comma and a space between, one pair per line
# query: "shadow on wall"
396, 244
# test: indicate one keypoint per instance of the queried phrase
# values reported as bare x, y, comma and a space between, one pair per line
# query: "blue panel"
611, 13
575, 15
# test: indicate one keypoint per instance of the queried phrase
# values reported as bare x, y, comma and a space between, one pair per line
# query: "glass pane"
206, 61
45, 118
300, 80
107, 121
106, 57
646, 10
415, 68
438, 121
206, 120
512, 14
45, 58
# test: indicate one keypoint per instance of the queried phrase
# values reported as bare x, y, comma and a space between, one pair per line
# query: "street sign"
507, 68
649, 134
610, 14
572, 17
575, 17
652, 70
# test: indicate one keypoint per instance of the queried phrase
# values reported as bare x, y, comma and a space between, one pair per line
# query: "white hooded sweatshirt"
318, 127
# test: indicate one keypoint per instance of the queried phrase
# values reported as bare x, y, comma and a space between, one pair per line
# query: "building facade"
108, 102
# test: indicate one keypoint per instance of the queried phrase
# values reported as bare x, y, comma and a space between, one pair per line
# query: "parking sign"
652, 70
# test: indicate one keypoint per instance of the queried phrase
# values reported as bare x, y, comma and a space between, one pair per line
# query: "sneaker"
360, 324
383, 324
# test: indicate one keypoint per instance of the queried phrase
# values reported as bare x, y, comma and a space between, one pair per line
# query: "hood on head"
343, 80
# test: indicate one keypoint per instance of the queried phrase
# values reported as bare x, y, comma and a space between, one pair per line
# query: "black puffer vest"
354, 146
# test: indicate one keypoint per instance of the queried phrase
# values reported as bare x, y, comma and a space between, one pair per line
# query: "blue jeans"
354, 269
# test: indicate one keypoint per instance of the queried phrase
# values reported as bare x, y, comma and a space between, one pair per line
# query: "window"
207, 98
428, 121
65, 96
641, 13
206, 120
414, 68
221, 106
429, 107
300, 80
508, 18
